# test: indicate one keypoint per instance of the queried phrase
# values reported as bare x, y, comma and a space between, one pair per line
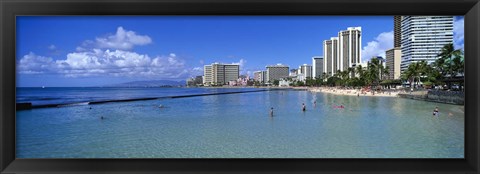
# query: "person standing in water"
435, 111
271, 112
303, 107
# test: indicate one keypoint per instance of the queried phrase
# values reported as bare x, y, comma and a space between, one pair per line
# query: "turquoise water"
239, 126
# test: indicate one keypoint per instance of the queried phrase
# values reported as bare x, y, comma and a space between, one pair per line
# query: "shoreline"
352, 92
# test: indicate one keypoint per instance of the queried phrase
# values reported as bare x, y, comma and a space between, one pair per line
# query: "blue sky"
93, 51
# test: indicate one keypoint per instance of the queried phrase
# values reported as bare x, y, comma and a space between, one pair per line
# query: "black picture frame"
11, 8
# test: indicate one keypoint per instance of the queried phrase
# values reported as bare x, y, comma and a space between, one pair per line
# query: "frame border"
12, 8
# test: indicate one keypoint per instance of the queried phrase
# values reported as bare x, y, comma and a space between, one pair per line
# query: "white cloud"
458, 33
377, 47
116, 63
197, 71
34, 64
122, 40
52, 47
109, 56
241, 63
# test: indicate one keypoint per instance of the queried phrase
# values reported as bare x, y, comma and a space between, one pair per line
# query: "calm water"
239, 126
68, 95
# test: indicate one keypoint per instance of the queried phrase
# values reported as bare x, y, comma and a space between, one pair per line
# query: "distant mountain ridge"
150, 83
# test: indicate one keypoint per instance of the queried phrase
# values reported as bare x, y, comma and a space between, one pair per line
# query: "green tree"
373, 72
276, 82
450, 63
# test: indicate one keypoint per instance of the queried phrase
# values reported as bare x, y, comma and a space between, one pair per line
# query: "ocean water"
239, 126
69, 95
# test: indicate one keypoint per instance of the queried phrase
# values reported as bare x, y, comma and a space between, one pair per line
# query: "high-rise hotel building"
423, 37
317, 66
394, 55
220, 74
397, 35
344, 51
306, 70
350, 47
276, 72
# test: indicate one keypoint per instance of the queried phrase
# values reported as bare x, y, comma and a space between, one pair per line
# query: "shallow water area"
240, 126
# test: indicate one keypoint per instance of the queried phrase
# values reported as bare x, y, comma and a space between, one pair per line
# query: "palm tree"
324, 76
373, 70
415, 71
450, 62
407, 75
422, 69
360, 71
351, 72
386, 71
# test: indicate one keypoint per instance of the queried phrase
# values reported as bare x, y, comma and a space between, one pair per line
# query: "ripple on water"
239, 126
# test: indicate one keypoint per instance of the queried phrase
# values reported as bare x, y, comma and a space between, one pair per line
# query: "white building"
293, 72
301, 77
342, 52
423, 37
305, 70
284, 83
350, 47
330, 55
220, 74
276, 72
317, 66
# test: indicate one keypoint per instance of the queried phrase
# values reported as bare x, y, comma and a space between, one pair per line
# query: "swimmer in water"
271, 112
338, 107
303, 107
435, 111
102, 117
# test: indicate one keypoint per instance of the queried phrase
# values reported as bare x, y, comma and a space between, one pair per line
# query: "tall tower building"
397, 32
423, 37
317, 66
350, 42
342, 52
330, 55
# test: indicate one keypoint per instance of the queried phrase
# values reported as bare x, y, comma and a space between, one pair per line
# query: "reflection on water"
239, 126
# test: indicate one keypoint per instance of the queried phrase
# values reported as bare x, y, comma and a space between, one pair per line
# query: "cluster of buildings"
416, 38
271, 73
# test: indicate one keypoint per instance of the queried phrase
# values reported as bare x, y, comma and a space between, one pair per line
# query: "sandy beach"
353, 92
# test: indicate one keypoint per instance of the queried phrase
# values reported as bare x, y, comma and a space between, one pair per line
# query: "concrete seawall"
26, 106
448, 97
